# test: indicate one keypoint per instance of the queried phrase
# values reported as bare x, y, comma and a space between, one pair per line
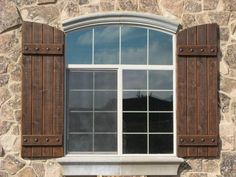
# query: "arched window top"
140, 19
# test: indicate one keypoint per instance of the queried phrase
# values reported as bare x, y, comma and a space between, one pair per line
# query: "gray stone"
38, 168
230, 5
4, 78
6, 112
221, 18
192, 6
149, 6
46, 2
4, 95
131, 5
14, 102
7, 41
21, 3
5, 127
107, 5
224, 102
71, 9
15, 88
227, 166
224, 34
12, 164
197, 174
230, 56
82, 2
210, 4
9, 16
3, 174
27, 172
1, 152
15, 73
17, 115
227, 85
3, 65
175, 8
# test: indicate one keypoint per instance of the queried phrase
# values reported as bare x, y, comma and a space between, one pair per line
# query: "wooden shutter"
42, 91
197, 91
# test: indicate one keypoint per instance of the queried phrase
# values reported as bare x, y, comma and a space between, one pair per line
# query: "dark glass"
105, 122
106, 80
106, 45
133, 45
134, 144
79, 46
161, 101
161, 144
161, 79
105, 142
80, 142
160, 48
81, 100
135, 79
80, 122
160, 122
134, 101
80, 80
134, 122
105, 100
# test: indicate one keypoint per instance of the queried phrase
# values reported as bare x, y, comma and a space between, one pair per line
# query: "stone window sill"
119, 165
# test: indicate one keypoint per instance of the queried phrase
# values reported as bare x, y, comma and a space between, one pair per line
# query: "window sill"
119, 165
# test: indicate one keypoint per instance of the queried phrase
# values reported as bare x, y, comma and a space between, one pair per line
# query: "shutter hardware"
43, 49
197, 50
42, 140
198, 140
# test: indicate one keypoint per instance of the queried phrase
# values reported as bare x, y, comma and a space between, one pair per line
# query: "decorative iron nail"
182, 140
213, 140
181, 50
202, 50
47, 139
58, 49
36, 139
47, 48
25, 140
212, 50
36, 48
58, 139
202, 139
26, 48
191, 50
192, 140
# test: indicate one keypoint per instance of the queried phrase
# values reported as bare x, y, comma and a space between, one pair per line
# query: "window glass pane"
80, 80
134, 79
160, 122
79, 46
105, 122
133, 45
105, 80
134, 101
81, 100
134, 144
105, 142
161, 101
106, 45
161, 144
80, 122
134, 122
161, 79
160, 48
80, 142
105, 100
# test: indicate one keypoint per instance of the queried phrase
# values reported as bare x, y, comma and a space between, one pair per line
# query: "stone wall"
53, 12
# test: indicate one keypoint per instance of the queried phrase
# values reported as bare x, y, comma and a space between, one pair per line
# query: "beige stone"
221, 18
227, 143
16, 73
83, 2
174, 7
3, 174
7, 41
4, 95
230, 56
17, 115
14, 102
4, 78
189, 20
91, 8
224, 100
227, 166
38, 168
202, 18
6, 112
3, 65
21, 3
107, 5
8, 143
5, 126
192, 6
150, 6
195, 164
12, 164
197, 175
71, 9
53, 169
224, 33
46, 1
224, 68
27, 172
210, 166
229, 5
227, 85
129, 5
210, 4
226, 129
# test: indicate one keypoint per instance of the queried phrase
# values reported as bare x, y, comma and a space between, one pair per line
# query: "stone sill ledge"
119, 165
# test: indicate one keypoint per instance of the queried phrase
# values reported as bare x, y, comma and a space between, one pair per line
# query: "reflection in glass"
105, 122
81, 100
135, 79
161, 101
105, 80
80, 142
80, 121
134, 122
160, 48
105, 142
161, 79
79, 46
161, 144
133, 45
106, 45
80, 80
134, 144
105, 100
160, 122
134, 101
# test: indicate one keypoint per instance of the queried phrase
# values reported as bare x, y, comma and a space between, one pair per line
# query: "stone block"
4, 95
229, 5
4, 78
224, 102
38, 168
224, 34
210, 4
192, 6
5, 127
227, 85
150, 6
174, 7
210, 166
230, 56
221, 18
12, 164
228, 164
46, 2
107, 5
27, 172
129, 5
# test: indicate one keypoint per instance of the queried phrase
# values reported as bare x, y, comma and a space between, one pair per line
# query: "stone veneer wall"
53, 12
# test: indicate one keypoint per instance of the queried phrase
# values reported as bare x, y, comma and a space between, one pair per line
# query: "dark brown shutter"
42, 91
197, 91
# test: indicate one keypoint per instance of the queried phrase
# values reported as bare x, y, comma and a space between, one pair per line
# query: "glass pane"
134, 122
106, 45
134, 101
79, 47
161, 101
160, 48
135, 144
80, 122
105, 142
161, 122
106, 80
81, 100
80, 80
160, 80
160, 144
105, 122
80, 142
133, 45
105, 100
135, 79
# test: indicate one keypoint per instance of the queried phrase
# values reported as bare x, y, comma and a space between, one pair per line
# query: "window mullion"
120, 112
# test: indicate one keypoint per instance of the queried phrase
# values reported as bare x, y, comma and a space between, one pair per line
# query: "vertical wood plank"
181, 93
191, 91
37, 88
26, 89
202, 107
47, 90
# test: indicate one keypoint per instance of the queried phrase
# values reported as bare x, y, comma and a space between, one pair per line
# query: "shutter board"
42, 92
197, 93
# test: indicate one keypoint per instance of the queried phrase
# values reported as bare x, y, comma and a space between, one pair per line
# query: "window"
120, 90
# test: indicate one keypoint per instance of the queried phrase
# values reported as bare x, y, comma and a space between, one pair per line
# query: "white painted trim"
134, 18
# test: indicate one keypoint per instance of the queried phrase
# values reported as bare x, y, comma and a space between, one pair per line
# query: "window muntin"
155, 81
